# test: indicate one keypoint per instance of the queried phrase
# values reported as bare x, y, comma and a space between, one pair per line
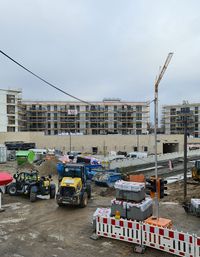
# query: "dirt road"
43, 229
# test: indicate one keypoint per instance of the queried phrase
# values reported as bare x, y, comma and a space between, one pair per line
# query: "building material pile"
130, 201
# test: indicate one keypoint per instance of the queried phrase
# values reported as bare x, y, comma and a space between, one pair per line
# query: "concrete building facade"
12, 111
174, 117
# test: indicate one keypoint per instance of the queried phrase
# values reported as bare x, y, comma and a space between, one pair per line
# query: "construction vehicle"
73, 186
196, 171
31, 184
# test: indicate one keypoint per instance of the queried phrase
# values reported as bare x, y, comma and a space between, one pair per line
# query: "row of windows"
92, 107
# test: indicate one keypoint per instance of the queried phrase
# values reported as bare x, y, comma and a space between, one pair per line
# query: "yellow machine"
74, 188
196, 171
75, 183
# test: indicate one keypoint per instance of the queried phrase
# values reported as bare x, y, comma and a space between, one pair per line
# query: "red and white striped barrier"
143, 234
168, 240
129, 231
197, 246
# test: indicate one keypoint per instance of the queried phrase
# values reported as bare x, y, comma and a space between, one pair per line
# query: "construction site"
66, 231
83, 172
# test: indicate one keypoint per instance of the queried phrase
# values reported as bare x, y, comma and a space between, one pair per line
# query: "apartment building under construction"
12, 111
110, 116
175, 118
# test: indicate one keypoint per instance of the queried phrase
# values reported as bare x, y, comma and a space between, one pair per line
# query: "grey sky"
102, 48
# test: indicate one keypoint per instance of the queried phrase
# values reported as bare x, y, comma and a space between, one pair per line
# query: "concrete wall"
85, 143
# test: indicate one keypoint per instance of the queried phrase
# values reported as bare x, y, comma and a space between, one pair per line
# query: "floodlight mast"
157, 82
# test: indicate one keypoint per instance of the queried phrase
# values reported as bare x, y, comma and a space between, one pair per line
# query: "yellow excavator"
196, 171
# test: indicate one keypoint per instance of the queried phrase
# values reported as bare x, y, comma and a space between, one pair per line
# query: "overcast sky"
101, 48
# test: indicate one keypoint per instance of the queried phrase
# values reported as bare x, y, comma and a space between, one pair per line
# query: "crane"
157, 82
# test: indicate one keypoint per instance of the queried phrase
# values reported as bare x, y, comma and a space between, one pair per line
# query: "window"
145, 149
135, 148
10, 109
10, 99
11, 129
55, 107
185, 110
138, 125
138, 108
172, 111
55, 116
138, 116
11, 120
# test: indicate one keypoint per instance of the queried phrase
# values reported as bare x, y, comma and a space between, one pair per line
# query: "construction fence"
143, 234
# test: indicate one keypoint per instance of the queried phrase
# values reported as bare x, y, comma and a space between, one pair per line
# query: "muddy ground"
43, 229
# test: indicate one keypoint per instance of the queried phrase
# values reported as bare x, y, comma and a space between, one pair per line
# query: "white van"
137, 155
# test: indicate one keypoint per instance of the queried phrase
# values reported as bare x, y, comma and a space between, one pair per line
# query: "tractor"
73, 186
196, 171
31, 184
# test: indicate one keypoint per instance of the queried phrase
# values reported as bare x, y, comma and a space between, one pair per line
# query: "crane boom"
169, 57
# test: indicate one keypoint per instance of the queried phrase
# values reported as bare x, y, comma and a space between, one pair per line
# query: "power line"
40, 78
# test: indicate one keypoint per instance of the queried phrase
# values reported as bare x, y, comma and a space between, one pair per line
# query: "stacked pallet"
195, 207
131, 201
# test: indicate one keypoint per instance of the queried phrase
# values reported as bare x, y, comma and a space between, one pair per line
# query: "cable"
45, 81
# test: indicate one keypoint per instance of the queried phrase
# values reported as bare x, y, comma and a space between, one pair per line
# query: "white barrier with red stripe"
168, 240
164, 239
197, 246
125, 230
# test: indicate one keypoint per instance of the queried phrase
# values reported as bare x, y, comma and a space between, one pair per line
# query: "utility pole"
70, 141
138, 137
185, 118
157, 82
185, 157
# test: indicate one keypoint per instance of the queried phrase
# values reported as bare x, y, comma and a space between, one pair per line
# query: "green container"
25, 156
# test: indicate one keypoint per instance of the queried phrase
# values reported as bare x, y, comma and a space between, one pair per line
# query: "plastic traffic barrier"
143, 234
129, 231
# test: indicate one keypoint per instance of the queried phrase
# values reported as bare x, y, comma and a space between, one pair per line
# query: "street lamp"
157, 82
